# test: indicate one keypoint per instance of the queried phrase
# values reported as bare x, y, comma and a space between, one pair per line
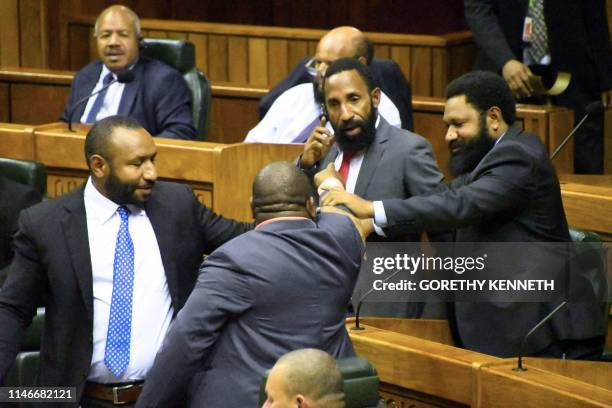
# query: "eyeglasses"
311, 66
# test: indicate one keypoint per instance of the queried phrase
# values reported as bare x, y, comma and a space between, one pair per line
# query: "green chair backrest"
27, 172
180, 55
360, 383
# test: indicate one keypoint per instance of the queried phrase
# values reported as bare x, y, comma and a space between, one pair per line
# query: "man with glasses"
297, 112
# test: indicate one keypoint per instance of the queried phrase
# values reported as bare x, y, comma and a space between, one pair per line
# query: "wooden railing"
261, 56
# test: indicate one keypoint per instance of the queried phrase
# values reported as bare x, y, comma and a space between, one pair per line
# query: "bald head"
310, 376
281, 189
343, 42
120, 10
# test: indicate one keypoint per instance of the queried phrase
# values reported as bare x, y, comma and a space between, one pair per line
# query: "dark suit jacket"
578, 36
14, 197
281, 287
158, 98
386, 73
513, 195
52, 259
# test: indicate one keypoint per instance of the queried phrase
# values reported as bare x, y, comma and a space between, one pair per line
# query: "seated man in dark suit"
295, 113
14, 197
281, 287
113, 262
305, 378
158, 96
386, 73
506, 190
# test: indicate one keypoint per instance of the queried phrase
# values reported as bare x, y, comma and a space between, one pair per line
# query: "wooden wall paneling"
297, 50
312, 47
79, 51
158, 34
200, 41
5, 103
608, 138
420, 73
382, 51
218, 58
238, 60
93, 47
9, 33
49, 99
258, 61
401, 55
32, 29
176, 35
231, 118
278, 61
439, 66
559, 126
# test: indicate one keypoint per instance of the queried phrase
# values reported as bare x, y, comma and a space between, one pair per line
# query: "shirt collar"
499, 138
102, 207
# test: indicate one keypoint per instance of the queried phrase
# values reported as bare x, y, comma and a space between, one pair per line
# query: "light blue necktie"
117, 353
95, 109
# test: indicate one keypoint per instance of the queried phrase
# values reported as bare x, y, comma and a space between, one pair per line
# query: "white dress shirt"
296, 108
151, 304
110, 106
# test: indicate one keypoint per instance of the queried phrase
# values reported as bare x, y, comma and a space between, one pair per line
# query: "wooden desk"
587, 201
234, 112
221, 175
416, 370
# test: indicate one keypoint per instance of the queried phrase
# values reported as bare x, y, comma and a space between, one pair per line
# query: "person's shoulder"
90, 70
155, 68
402, 138
171, 189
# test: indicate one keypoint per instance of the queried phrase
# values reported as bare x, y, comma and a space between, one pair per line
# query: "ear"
301, 401
495, 121
251, 205
375, 94
100, 168
362, 60
311, 208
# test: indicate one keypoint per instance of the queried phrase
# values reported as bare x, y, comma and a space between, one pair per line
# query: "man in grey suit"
377, 161
506, 191
281, 287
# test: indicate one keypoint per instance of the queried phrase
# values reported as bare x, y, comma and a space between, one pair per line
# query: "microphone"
591, 108
357, 327
519, 367
122, 76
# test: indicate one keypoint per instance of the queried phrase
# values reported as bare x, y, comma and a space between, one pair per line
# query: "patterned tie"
117, 353
346, 164
95, 109
539, 41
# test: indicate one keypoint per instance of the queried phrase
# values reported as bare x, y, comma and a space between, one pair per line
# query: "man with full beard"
378, 161
506, 190
295, 113
107, 263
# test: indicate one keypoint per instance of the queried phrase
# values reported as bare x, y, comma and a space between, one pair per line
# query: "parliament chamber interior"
233, 53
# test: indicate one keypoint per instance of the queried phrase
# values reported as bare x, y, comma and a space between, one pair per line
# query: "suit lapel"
74, 227
372, 157
90, 80
131, 90
158, 215
330, 157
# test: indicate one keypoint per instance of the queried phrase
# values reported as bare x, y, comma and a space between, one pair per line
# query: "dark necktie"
117, 352
95, 109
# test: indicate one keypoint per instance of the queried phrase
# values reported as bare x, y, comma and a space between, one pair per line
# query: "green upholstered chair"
27, 172
578, 235
25, 371
360, 383
180, 55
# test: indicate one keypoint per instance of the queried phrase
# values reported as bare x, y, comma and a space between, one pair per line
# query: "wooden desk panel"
220, 174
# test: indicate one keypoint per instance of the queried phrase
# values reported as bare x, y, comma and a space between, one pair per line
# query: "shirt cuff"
380, 217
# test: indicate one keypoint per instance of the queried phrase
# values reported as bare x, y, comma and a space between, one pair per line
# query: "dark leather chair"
594, 242
360, 383
180, 55
25, 371
27, 172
